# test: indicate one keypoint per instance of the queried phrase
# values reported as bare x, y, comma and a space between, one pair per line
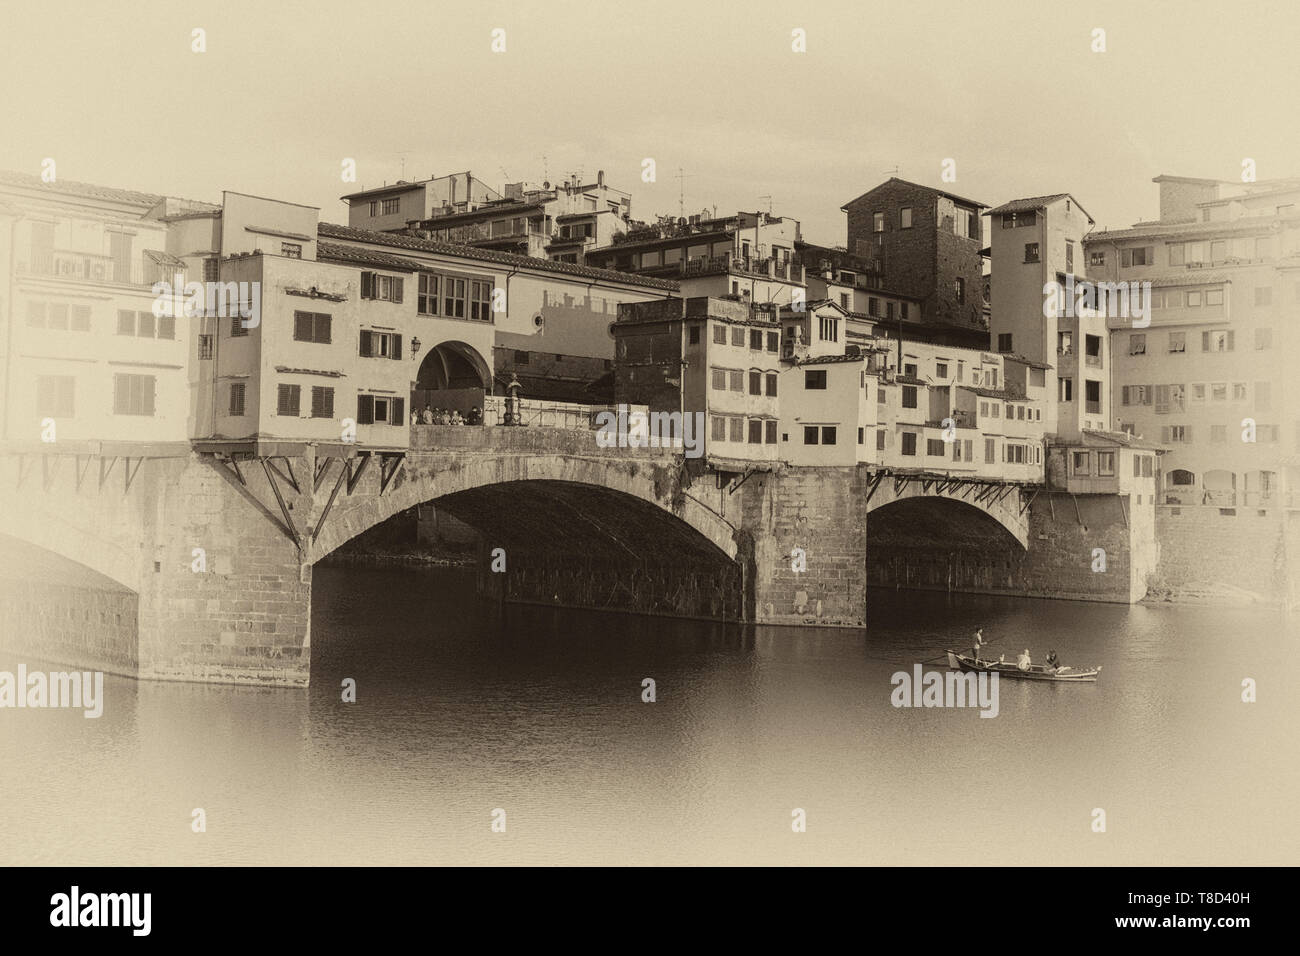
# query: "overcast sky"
1011, 91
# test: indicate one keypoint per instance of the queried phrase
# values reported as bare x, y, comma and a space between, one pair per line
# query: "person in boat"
979, 642
1053, 662
1023, 662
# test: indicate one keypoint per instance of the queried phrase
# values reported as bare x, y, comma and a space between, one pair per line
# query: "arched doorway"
453, 376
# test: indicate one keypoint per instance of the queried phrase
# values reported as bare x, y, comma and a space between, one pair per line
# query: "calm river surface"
540, 713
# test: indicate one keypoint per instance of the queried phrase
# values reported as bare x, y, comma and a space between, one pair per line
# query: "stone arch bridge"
214, 544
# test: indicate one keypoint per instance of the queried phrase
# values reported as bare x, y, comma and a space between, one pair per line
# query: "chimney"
600, 177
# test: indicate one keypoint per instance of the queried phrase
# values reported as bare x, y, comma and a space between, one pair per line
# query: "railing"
482, 232
1093, 360
543, 414
95, 267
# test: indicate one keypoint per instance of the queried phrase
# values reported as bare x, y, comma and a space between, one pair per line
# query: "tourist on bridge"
475, 416
427, 415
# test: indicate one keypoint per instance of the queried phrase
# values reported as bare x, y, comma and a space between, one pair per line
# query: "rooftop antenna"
893, 171
769, 203
546, 170
403, 156
681, 192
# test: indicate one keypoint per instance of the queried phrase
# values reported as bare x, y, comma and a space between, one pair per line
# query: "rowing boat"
964, 662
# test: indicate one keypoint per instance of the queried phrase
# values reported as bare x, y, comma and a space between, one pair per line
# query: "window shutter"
399, 411
1124, 395
365, 409
367, 285
1205, 341
1231, 338
150, 391
317, 401
1146, 395
324, 328
302, 327
397, 289
397, 346
365, 342
329, 403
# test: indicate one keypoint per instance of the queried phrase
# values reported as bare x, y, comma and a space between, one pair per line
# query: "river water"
461, 711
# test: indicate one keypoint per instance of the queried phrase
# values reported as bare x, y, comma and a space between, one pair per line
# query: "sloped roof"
941, 192
1036, 202
329, 230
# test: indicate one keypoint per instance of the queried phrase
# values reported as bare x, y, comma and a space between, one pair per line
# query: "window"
125, 322
311, 327
205, 347
769, 428
719, 335
873, 306
934, 447
878, 222
211, 269
426, 298
756, 340
291, 250
829, 328
737, 429
909, 369
844, 300
717, 428
1106, 463
390, 207
1092, 349
1177, 341
54, 395
735, 380
990, 450
287, 400
909, 443
1218, 391
719, 382
237, 327
1137, 256
322, 402
880, 396
1137, 344
480, 300
146, 327
1097, 258
380, 410
941, 369
382, 345
905, 217
382, 287
756, 431
811, 434
909, 396
1219, 340
1031, 252
453, 297
1193, 300
959, 287
693, 337
1081, 462
1092, 396
523, 357
738, 337
1004, 341
237, 399
771, 384
1065, 388
814, 378
1069, 256
755, 383
880, 439
1238, 391
1065, 342
773, 342
133, 394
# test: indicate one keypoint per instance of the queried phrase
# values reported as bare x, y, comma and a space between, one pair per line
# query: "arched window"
1180, 476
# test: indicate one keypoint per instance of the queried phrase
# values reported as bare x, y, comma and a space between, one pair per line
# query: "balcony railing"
95, 267
485, 231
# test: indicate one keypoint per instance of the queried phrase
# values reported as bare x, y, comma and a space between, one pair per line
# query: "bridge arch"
648, 489
932, 510
74, 539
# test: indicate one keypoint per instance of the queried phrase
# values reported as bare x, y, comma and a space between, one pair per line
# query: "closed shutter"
1147, 394
149, 392
1124, 394
397, 289
367, 285
302, 326
237, 399
399, 411
397, 347
365, 343
288, 400
1231, 339
328, 408
365, 409
324, 328
1205, 341
317, 401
